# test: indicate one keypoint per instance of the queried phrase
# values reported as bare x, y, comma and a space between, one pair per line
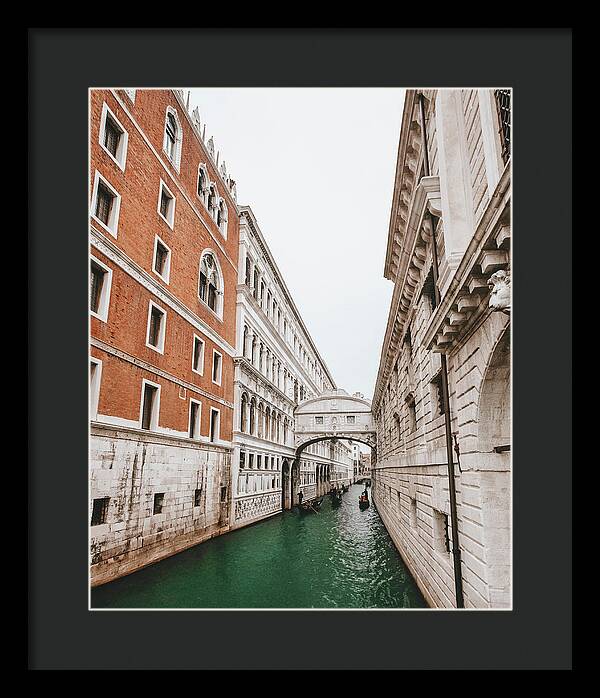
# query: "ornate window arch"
252, 416
203, 184
173, 137
210, 282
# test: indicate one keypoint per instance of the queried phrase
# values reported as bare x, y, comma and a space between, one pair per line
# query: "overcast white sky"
317, 167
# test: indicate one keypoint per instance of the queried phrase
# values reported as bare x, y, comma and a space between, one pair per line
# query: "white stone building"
457, 192
276, 367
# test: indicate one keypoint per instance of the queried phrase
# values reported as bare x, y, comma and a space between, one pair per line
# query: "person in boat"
364, 493
300, 497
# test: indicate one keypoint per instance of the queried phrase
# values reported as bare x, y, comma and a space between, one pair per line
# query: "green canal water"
339, 558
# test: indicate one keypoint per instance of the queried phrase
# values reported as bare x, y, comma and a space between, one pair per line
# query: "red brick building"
164, 245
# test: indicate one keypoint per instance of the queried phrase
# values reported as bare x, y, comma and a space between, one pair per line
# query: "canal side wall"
130, 468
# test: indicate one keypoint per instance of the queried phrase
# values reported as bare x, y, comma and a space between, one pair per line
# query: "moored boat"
363, 501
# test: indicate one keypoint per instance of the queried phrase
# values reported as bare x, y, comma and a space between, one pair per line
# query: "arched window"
252, 415
203, 184
261, 420
247, 278
245, 342
173, 137
244, 412
267, 434
209, 286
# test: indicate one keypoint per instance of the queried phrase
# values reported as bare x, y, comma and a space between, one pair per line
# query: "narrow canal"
339, 558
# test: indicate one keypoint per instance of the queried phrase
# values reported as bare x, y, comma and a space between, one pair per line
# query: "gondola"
336, 498
363, 502
344, 489
311, 506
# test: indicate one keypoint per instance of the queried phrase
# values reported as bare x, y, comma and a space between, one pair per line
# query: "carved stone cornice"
487, 253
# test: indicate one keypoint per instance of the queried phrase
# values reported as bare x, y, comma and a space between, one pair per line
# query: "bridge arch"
333, 415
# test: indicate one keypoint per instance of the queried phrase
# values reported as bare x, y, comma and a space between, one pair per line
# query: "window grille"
503, 109
112, 136
165, 200
96, 284
161, 258
104, 201
197, 497
158, 503
100, 510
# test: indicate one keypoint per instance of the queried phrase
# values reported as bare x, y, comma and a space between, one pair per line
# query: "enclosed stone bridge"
329, 416
334, 415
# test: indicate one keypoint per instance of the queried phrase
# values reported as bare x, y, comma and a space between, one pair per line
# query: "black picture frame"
536, 634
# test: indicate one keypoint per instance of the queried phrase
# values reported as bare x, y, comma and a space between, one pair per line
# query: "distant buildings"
457, 193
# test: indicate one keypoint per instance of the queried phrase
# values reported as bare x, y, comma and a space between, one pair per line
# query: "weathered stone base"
412, 502
130, 466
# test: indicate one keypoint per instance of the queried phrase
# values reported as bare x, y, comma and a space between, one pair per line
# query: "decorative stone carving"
500, 298
211, 147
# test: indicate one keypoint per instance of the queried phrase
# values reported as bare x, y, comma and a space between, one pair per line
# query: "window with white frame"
157, 321
195, 413
217, 367
198, 355
209, 283
95, 378
166, 204
150, 405
161, 264
113, 137
100, 283
173, 137
215, 424
106, 202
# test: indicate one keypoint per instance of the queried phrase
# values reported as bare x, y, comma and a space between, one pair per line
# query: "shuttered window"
100, 510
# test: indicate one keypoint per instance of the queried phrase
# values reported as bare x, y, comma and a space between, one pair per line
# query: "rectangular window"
223, 494
259, 462
215, 418
251, 460
95, 374
217, 367
159, 500
100, 282
198, 356
166, 204
106, 203
157, 319
318, 420
162, 259
96, 284
113, 137
149, 406
242, 459
197, 497
351, 419
100, 510
195, 411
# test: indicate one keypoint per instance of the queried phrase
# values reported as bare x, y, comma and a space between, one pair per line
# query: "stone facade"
164, 231
277, 366
465, 197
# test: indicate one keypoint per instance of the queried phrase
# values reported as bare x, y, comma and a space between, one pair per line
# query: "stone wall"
130, 467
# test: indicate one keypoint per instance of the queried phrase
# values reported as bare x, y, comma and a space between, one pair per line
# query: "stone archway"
494, 402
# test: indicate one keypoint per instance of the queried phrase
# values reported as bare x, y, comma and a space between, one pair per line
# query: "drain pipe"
460, 603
